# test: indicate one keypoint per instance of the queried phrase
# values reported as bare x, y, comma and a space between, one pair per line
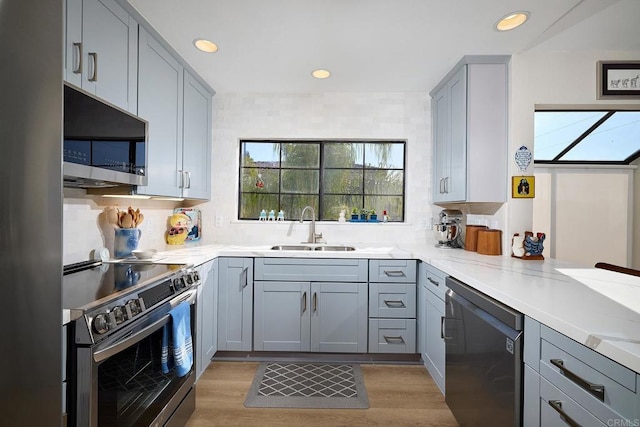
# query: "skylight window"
587, 136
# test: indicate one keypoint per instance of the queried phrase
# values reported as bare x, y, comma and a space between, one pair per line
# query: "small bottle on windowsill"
385, 217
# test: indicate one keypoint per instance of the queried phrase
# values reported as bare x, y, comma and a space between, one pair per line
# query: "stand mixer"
448, 229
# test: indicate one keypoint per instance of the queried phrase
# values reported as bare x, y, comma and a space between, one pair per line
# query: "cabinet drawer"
571, 367
396, 300
436, 281
392, 270
557, 409
392, 336
311, 270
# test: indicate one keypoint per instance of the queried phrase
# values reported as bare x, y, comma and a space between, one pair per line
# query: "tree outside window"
330, 176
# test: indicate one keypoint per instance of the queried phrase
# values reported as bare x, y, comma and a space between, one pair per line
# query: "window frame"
320, 195
608, 113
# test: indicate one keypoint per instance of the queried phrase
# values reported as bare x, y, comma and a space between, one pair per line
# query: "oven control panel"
119, 312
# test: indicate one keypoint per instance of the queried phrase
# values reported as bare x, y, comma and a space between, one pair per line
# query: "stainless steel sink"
335, 248
291, 248
312, 248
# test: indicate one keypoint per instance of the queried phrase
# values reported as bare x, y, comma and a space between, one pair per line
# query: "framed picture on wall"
523, 187
618, 79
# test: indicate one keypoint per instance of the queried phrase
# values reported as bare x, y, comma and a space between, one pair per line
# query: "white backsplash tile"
284, 116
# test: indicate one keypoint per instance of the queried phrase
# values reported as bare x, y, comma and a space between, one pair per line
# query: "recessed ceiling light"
321, 74
206, 45
512, 20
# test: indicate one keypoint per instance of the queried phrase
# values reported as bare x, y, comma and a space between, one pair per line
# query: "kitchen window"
329, 175
587, 137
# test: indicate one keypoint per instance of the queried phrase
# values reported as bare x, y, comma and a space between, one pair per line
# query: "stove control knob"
178, 283
189, 278
196, 276
134, 307
119, 313
101, 323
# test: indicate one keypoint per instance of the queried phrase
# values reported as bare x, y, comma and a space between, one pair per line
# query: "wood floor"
399, 395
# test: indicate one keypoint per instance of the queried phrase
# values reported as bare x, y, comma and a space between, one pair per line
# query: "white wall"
315, 116
558, 78
235, 116
84, 228
587, 211
537, 78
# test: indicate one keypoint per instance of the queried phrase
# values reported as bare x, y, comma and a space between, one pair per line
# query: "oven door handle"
107, 352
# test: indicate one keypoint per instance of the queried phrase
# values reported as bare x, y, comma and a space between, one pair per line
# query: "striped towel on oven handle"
177, 347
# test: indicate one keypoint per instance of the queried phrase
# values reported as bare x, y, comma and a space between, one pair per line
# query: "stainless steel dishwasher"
483, 374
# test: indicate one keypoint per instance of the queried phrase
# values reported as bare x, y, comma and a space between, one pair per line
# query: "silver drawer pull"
394, 303
557, 406
78, 49
304, 302
595, 389
94, 75
433, 281
394, 340
394, 273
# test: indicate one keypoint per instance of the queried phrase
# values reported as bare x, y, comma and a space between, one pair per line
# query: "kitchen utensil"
489, 242
471, 237
126, 221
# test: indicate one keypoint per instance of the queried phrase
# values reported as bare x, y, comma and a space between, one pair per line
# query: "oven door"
120, 380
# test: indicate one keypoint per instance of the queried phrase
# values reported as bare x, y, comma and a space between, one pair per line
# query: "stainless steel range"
114, 363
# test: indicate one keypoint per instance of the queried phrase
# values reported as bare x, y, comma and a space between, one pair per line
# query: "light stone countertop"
598, 308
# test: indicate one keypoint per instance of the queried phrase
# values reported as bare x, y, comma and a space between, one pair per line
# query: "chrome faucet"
313, 236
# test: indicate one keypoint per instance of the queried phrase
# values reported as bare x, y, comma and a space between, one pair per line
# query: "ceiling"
373, 45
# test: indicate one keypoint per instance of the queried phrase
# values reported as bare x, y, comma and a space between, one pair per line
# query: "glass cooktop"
83, 285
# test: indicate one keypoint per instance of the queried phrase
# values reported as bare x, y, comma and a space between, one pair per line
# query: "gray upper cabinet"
178, 110
101, 51
196, 141
160, 103
469, 113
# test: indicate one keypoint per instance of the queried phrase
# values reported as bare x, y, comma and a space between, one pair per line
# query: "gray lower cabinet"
431, 306
392, 306
235, 303
207, 315
567, 383
310, 316
292, 312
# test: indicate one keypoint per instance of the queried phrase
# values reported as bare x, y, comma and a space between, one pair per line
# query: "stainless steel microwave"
103, 146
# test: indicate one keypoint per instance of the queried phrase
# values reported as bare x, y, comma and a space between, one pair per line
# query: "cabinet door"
282, 316
422, 320
160, 103
109, 53
206, 337
435, 347
339, 317
456, 182
235, 304
441, 131
196, 149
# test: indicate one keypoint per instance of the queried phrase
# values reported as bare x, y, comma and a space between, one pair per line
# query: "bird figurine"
533, 245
